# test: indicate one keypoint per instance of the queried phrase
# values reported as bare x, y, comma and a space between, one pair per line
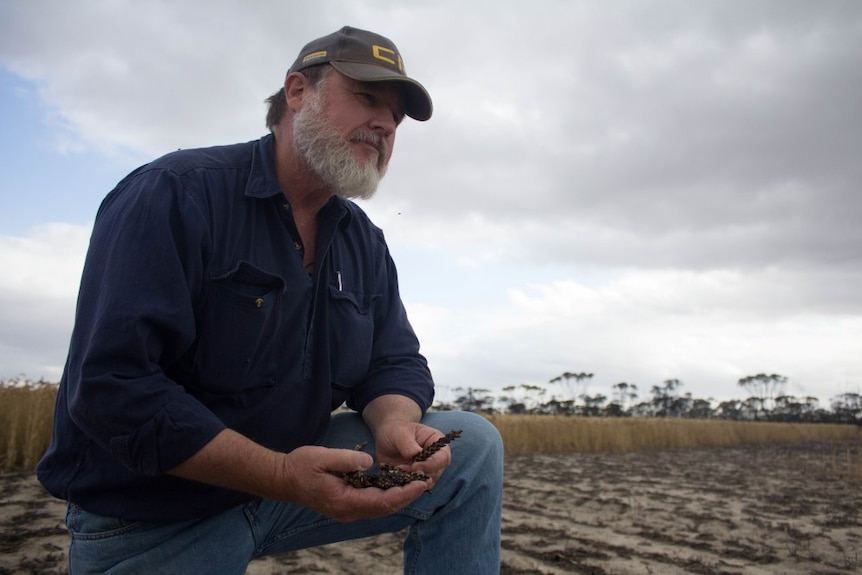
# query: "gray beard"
329, 156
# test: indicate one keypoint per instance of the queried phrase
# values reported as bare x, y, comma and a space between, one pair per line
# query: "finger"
434, 464
372, 502
346, 460
397, 498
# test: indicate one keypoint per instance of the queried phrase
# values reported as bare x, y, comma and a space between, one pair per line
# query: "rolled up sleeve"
135, 319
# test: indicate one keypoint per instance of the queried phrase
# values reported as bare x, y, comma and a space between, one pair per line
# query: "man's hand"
315, 481
313, 476
398, 443
310, 476
393, 420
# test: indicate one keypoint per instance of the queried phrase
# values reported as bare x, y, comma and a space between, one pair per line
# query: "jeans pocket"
84, 525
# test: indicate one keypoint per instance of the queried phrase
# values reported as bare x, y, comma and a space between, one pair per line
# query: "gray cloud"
707, 124
705, 151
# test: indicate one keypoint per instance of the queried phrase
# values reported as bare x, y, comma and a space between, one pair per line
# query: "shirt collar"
263, 181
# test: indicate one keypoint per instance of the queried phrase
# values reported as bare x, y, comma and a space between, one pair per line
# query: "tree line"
766, 401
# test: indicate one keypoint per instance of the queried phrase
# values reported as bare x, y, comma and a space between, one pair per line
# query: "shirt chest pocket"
238, 330
351, 337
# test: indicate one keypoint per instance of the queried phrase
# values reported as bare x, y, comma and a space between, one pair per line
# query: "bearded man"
232, 298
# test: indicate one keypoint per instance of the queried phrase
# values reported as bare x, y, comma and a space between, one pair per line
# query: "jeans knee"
479, 439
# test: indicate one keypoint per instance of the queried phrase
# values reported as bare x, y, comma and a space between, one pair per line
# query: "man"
233, 297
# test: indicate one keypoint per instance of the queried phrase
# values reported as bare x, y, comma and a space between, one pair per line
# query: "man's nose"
383, 122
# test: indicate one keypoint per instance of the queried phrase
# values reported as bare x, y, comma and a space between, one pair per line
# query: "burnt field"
780, 508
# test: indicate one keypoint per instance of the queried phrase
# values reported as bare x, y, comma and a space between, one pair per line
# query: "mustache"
374, 139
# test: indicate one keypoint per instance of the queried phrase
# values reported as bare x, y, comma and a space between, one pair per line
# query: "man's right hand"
310, 476
314, 480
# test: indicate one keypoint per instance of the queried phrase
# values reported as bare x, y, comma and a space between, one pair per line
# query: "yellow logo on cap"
378, 53
313, 55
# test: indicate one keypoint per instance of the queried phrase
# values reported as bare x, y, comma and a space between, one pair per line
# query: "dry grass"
549, 434
26, 416
847, 463
27, 410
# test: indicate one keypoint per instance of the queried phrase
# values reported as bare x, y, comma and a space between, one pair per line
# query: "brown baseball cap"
367, 57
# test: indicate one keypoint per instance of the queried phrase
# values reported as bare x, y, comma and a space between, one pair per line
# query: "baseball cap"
366, 57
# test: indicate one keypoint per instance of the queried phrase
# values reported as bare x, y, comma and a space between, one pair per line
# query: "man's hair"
278, 101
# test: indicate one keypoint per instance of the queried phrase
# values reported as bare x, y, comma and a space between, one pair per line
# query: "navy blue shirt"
195, 314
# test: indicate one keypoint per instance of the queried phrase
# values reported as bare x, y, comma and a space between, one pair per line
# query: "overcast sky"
639, 190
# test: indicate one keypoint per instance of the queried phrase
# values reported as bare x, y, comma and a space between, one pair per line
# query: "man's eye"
365, 98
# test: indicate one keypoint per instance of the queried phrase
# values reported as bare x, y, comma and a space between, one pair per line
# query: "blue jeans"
455, 529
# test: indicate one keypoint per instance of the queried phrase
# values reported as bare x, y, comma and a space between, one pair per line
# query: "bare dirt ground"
788, 509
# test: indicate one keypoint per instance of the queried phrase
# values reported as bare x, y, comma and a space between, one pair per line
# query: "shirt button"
297, 246
285, 206
258, 302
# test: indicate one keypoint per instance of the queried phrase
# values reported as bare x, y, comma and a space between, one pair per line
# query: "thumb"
347, 460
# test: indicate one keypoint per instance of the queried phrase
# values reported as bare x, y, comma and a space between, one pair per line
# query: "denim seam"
416, 539
106, 534
250, 511
261, 549
416, 513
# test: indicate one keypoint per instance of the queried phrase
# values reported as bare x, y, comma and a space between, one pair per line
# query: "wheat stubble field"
770, 508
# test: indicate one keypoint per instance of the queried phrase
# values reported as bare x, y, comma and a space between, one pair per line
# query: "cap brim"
417, 101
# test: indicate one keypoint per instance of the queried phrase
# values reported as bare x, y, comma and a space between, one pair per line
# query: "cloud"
638, 189
706, 329
38, 290
138, 76
669, 137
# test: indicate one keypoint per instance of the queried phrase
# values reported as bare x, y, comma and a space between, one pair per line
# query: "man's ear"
295, 87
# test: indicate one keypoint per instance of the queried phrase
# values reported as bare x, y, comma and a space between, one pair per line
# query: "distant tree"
533, 395
550, 407
680, 406
766, 402
474, 399
624, 394
700, 409
513, 404
847, 408
565, 380
730, 410
522, 398
812, 411
764, 387
614, 409
556, 406
516, 408
593, 404
789, 408
752, 409
664, 397
643, 409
